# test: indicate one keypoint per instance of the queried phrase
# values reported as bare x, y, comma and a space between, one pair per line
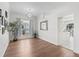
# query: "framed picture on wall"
5, 23
0, 23
6, 14
2, 20
3, 26
0, 12
3, 30
44, 25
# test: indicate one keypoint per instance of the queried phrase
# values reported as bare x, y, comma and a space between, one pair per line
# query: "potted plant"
13, 28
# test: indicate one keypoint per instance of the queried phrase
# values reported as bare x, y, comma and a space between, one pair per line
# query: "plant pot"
35, 35
14, 39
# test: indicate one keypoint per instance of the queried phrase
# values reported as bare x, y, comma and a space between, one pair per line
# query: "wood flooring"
37, 48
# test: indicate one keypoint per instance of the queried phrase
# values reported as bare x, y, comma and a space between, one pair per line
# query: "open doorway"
25, 30
66, 31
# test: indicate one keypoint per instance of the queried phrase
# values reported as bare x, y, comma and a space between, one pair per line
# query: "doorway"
25, 29
66, 31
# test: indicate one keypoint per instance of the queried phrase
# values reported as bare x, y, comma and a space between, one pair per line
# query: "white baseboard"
5, 48
48, 40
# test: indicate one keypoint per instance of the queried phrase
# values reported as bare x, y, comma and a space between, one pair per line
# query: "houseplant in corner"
35, 34
13, 28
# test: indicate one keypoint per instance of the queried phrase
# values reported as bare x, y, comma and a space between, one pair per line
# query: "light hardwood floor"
37, 48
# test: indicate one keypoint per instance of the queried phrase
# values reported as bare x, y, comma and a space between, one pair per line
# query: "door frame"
59, 43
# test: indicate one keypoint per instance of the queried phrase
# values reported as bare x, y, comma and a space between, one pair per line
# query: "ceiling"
37, 7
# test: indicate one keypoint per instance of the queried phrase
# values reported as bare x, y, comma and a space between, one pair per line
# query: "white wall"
14, 16
34, 24
51, 35
76, 40
4, 39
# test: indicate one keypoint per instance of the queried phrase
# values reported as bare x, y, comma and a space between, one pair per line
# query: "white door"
65, 38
